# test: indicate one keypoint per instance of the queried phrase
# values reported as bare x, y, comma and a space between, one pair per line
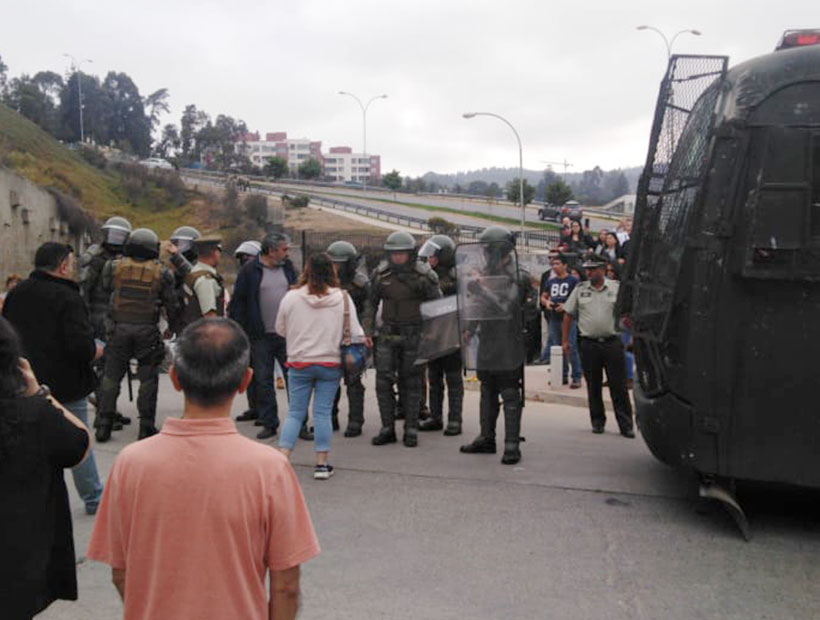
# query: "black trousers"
506, 386
597, 355
449, 368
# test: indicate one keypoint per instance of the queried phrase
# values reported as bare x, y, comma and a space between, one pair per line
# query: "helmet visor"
183, 244
115, 235
430, 248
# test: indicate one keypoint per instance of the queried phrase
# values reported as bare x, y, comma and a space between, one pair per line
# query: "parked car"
571, 209
157, 162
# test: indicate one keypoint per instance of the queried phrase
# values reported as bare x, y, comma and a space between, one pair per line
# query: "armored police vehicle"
723, 281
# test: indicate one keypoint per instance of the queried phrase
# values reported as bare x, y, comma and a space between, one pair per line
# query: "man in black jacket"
58, 339
259, 288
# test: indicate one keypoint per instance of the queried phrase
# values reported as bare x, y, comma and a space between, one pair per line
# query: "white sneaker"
322, 472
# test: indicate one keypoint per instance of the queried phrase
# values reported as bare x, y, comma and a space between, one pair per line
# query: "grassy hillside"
34, 154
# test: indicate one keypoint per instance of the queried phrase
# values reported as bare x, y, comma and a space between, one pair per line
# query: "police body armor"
90, 280
401, 299
192, 310
136, 295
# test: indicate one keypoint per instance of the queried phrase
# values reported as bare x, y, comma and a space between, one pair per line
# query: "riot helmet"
346, 257
143, 244
116, 230
184, 237
499, 242
440, 246
246, 251
399, 243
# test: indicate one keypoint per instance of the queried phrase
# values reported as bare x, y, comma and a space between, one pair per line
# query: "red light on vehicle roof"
798, 38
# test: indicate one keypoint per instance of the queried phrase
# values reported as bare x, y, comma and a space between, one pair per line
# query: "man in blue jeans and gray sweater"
258, 291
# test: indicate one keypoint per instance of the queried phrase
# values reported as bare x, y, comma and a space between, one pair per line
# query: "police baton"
130, 375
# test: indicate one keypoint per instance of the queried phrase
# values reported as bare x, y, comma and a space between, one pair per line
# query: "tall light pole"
364, 107
76, 67
520, 159
669, 42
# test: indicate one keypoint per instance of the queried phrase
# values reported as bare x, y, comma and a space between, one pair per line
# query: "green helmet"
400, 241
494, 234
442, 247
143, 243
116, 231
342, 252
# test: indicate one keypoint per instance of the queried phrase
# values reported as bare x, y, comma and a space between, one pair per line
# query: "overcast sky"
575, 78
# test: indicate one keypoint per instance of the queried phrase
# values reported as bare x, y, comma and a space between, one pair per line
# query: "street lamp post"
76, 66
520, 159
364, 107
669, 42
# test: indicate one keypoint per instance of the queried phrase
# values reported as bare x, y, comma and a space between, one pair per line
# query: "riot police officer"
139, 286
400, 284
439, 250
247, 250
183, 255
354, 280
116, 231
491, 297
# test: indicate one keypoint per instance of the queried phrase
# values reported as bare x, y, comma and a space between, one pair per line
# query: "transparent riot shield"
489, 306
439, 329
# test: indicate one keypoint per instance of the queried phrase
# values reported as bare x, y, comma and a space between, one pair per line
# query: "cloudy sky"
575, 78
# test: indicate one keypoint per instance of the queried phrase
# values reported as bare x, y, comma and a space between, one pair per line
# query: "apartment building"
340, 164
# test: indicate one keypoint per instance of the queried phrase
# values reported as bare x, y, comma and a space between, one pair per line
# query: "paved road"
586, 527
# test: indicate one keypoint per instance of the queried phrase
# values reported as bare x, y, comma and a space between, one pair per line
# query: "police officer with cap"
204, 287
498, 329
399, 284
592, 304
439, 251
139, 286
247, 250
116, 231
353, 279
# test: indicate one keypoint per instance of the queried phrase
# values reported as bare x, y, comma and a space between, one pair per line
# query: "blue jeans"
322, 382
86, 478
264, 352
629, 357
554, 340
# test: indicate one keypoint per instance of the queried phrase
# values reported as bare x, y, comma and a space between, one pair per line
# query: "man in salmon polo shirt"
193, 519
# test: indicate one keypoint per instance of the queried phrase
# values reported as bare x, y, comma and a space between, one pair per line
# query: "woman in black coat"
38, 439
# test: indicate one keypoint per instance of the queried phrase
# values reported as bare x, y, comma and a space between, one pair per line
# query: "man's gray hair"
272, 241
210, 358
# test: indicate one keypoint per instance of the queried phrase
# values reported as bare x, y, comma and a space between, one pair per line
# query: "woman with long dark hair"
311, 319
38, 439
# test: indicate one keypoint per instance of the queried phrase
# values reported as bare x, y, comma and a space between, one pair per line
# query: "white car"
157, 162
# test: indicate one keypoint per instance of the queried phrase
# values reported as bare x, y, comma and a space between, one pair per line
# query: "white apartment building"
343, 165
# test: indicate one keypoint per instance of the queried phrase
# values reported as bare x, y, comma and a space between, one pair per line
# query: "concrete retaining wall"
28, 218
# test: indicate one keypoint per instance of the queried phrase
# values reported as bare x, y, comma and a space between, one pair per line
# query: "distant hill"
504, 175
100, 190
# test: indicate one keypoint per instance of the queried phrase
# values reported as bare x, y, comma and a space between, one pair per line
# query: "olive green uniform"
138, 289
400, 290
446, 368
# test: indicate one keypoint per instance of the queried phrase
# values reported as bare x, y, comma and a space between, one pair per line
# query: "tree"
256, 207
588, 190
156, 103
614, 185
477, 188
310, 169
558, 192
513, 188
392, 180
168, 143
276, 167
190, 123
96, 110
4, 72
493, 190
129, 128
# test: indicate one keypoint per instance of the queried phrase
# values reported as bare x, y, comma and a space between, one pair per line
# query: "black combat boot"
480, 445
512, 425
334, 420
147, 429
306, 433
353, 431
104, 424
385, 436
410, 441
431, 424
511, 453
122, 419
453, 429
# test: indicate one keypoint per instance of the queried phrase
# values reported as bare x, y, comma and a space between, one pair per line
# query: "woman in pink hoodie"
311, 318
